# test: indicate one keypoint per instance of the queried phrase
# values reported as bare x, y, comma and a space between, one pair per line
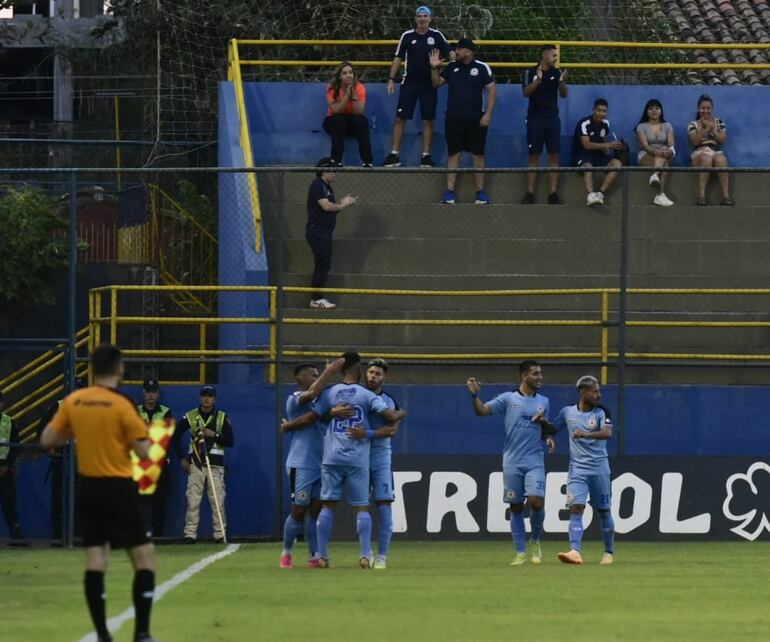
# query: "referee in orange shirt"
106, 427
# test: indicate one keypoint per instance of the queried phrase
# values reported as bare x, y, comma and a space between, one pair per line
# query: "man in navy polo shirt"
321, 221
541, 84
413, 48
467, 122
592, 147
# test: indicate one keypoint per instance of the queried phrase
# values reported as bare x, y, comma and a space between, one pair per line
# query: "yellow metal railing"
234, 75
601, 321
531, 44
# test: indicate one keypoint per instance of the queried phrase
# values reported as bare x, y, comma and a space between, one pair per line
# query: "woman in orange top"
345, 116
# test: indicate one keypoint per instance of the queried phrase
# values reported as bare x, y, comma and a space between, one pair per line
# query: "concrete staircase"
400, 237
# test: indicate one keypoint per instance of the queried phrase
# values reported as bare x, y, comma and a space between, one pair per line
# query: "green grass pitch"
430, 591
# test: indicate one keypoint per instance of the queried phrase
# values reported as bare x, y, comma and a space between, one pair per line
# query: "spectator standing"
215, 427
345, 117
708, 133
656, 147
321, 221
413, 48
593, 148
467, 123
155, 505
541, 85
9, 435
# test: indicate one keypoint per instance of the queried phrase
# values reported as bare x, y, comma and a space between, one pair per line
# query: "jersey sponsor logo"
456, 69
346, 393
474, 72
431, 40
92, 402
742, 503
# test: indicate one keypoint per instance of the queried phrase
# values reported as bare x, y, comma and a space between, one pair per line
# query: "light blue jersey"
307, 445
586, 456
381, 449
339, 448
523, 437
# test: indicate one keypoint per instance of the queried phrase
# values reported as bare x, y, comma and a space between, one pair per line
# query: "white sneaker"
599, 198
655, 179
380, 563
591, 199
663, 200
323, 304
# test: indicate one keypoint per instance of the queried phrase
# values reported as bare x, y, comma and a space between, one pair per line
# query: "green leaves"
34, 246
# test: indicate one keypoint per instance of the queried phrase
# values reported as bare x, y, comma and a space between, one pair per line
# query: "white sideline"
114, 623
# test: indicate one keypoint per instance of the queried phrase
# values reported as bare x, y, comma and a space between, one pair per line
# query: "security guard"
9, 434
155, 505
214, 427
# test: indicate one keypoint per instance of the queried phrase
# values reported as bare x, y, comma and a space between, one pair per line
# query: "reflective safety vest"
5, 435
161, 411
197, 423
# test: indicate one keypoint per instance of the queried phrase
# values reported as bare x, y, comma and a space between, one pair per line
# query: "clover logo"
744, 494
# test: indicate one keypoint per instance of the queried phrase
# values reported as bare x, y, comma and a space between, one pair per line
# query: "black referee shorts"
465, 135
111, 512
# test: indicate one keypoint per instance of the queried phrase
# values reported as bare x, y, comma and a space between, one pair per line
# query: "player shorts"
111, 512
335, 477
543, 129
521, 482
408, 95
465, 135
381, 482
593, 157
580, 486
304, 485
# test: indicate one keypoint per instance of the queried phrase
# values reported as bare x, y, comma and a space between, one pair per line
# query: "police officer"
413, 48
541, 85
155, 505
9, 434
321, 221
213, 425
467, 122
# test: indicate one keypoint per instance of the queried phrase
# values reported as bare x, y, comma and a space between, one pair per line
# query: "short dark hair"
304, 366
379, 363
601, 101
105, 360
545, 48
526, 365
352, 359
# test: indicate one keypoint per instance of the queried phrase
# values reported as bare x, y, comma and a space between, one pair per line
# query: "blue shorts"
334, 477
543, 129
522, 482
580, 486
593, 157
381, 482
304, 484
410, 93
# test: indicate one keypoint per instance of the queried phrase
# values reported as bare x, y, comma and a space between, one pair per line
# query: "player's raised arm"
317, 387
480, 408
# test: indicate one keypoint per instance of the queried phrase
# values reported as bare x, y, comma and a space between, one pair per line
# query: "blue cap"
423, 9
208, 390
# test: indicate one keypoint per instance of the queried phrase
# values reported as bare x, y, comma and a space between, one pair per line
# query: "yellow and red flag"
147, 471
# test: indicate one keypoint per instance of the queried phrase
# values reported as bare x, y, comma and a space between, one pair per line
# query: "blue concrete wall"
671, 420
294, 136
239, 263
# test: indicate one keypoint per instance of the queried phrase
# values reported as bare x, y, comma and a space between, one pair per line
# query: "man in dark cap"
155, 505
9, 434
321, 219
207, 425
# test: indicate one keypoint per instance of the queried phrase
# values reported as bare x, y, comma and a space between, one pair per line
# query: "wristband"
370, 434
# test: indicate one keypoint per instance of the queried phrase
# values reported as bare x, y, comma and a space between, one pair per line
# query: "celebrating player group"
341, 441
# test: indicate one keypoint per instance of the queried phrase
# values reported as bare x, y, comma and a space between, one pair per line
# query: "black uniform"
319, 231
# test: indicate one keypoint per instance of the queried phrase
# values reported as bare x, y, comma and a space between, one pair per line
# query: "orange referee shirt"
103, 423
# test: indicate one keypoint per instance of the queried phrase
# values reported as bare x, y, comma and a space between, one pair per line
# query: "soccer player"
593, 148
346, 454
540, 85
525, 409
413, 48
380, 468
589, 471
106, 427
303, 463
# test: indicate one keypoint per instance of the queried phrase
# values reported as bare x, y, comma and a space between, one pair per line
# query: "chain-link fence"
199, 286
